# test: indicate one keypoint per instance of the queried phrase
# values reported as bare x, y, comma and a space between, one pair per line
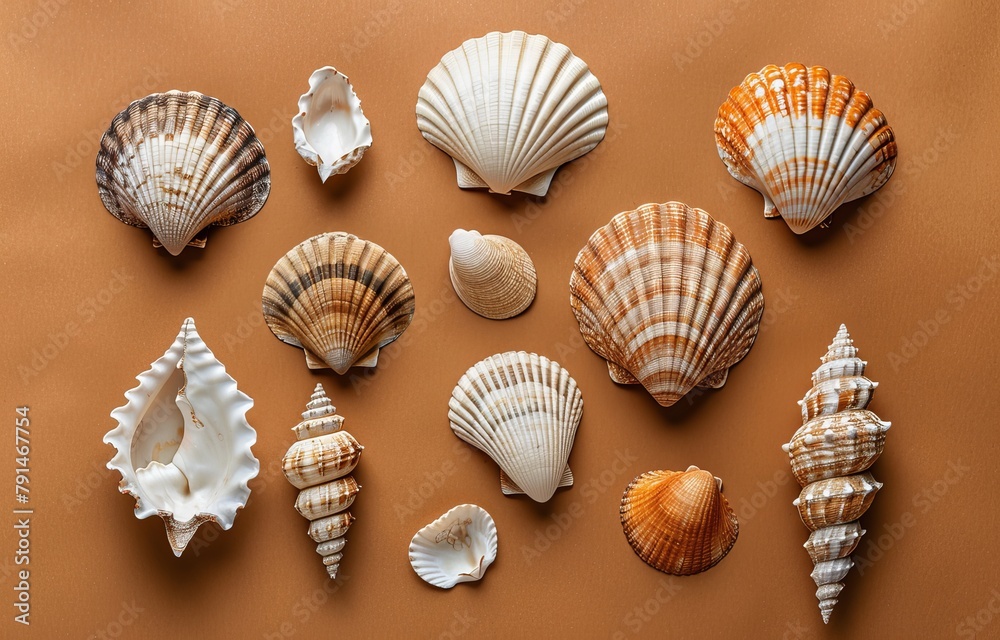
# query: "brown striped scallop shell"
806, 139
179, 162
830, 455
678, 521
668, 297
318, 464
340, 299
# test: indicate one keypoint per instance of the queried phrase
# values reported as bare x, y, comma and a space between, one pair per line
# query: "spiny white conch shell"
522, 410
668, 297
319, 464
457, 547
180, 162
830, 454
183, 441
806, 139
330, 130
510, 108
491, 274
340, 299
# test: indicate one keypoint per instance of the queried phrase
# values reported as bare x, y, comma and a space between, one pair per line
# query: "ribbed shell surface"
668, 297
510, 108
178, 162
493, 275
340, 298
806, 139
523, 411
678, 521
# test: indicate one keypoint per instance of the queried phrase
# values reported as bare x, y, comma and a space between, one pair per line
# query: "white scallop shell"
510, 108
184, 442
457, 547
522, 410
493, 275
331, 131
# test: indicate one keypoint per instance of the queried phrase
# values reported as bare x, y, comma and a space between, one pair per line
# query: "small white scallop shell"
331, 131
457, 547
510, 109
184, 442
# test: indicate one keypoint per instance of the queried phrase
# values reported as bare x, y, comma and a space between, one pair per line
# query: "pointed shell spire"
493, 275
318, 464
830, 455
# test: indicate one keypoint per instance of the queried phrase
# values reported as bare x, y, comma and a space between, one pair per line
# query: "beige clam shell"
179, 162
491, 274
830, 456
668, 297
319, 464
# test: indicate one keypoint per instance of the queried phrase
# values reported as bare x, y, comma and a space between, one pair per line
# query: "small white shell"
457, 547
493, 275
331, 131
183, 441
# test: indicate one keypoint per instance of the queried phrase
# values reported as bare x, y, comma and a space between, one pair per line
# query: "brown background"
891, 266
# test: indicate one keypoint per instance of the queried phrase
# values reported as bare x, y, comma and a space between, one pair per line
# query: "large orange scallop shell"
678, 521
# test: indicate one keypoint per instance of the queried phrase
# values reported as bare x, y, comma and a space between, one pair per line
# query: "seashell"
830, 454
522, 410
668, 297
457, 547
331, 131
510, 109
184, 442
318, 464
806, 139
678, 521
180, 162
492, 275
340, 299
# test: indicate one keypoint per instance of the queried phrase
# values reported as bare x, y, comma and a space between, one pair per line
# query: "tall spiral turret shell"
830, 454
319, 464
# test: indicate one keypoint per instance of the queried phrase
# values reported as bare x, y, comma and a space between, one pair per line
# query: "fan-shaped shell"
678, 521
668, 297
510, 108
491, 274
179, 162
330, 130
457, 547
183, 441
806, 139
340, 298
522, 410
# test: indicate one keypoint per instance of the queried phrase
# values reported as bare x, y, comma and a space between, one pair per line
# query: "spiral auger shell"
830, 455
318, 464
